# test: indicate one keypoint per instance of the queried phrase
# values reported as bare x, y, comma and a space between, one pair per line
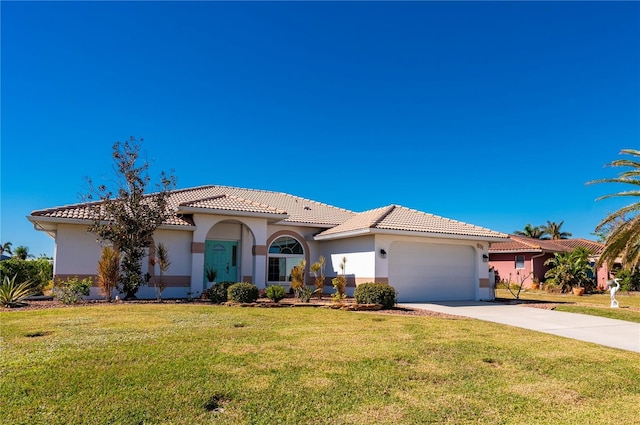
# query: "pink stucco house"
522, 259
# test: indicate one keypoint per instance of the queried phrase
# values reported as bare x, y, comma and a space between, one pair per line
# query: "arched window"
284, 253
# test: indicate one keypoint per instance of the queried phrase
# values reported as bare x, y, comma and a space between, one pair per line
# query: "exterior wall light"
383, 253
485, 257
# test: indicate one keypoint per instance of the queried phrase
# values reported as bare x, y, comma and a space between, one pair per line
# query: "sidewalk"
599, 330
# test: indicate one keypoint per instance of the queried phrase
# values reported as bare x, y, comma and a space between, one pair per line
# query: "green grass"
611, 313
631, 300
593, 304
177, 364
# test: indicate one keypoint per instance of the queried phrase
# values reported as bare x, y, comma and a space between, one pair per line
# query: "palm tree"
623, 238
553, 230
6, 247
569, 269
535, 232
22, 253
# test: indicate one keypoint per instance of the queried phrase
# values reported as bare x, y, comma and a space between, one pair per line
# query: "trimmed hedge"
375, 293
38, 272
275, 293
243, 292
217, 294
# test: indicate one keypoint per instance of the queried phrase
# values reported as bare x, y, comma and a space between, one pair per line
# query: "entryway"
223, 257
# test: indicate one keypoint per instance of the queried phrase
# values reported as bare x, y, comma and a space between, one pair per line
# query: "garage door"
432, 272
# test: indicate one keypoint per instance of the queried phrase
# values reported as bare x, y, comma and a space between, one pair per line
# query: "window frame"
286, 257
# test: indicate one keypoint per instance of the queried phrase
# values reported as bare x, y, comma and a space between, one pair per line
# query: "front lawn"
593, 304
630, 299
193, 364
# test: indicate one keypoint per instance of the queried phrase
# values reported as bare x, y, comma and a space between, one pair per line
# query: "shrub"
375, 293
275, 293
629, 280
108, 271
552, 288
297, 276
318, 273
217, 294
243, 292
71, 290
12, 295
163, 262
304, 294
340, 283
36, 272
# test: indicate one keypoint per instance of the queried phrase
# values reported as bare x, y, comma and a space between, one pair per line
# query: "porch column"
260, 265
260, 254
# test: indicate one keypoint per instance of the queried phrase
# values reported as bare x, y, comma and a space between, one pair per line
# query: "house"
522, 259
258, 236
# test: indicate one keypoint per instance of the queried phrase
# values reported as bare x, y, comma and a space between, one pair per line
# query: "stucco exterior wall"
505, 265
178, 245
77, 251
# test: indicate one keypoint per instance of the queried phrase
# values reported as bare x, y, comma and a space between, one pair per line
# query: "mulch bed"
287, 302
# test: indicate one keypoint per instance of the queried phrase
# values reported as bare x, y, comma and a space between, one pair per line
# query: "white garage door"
432, 272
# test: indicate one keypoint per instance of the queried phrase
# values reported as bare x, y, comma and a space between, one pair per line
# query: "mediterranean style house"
258, 236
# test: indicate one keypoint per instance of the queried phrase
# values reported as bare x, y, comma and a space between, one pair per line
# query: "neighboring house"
4, 257
522, 259
258, 236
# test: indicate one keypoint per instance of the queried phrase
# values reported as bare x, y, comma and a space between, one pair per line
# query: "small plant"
163, 262
337, 297
217, 294
340, 283
12, 295
297, 276
71, 290
211, 274
108, 271
243, 292
275, 293
305, 294
317, 269
516, 288
375, 293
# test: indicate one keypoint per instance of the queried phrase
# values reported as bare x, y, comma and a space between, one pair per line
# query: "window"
284, 254
519, 261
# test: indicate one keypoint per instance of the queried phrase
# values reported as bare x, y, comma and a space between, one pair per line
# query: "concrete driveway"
599, 330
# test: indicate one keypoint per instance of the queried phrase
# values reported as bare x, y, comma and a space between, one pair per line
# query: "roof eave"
513, 251
57, 220
440, 235
216, 211
306, 224
342, 235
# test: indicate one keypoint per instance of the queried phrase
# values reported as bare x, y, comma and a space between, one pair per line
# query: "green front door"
223, 256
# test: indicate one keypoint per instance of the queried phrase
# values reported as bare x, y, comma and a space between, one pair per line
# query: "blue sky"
491, 113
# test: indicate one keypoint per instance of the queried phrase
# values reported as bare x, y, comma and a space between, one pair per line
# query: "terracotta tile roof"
525, 244
293, 209
232, 203
396, 217
298, 210
593, 247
